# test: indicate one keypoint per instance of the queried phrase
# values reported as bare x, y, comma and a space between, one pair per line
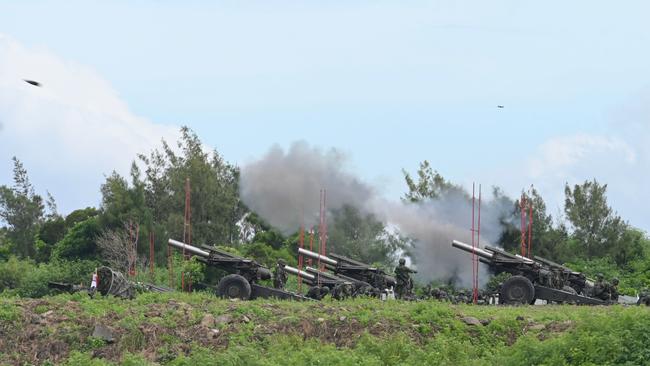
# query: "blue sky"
389, 83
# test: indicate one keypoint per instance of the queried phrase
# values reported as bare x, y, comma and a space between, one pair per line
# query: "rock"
320, 320
104, 333
36, 319
213, 333
486, 322
471, 321
223, 319
537, 327
520, 318
343, 318
48, 314
246, 319
208, 321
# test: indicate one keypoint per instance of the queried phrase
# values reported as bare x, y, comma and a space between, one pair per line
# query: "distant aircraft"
500, 107
35, 83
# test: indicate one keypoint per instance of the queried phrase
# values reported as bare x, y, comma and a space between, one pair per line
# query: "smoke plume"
283, 187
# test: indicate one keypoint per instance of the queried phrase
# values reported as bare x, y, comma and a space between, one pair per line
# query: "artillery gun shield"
517, 290
234, 286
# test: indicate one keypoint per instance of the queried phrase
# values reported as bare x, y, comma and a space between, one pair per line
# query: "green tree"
363, 237
22, 210
595, 225
547, 239
214, 183
430, 184
80, 241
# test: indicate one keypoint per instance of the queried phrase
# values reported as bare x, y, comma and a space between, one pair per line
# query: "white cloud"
616, 160
70, 131
562, 154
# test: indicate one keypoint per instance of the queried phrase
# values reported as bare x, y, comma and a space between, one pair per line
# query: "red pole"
530, 230
301, 244
311, 245
478, 244
151, 242
324, 222
473, 241
522, 209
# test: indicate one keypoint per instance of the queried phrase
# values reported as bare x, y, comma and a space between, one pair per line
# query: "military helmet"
402, 261
600, 276
615, 281
282, 262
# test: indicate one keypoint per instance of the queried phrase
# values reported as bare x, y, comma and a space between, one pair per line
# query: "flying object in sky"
500, 107
35, 83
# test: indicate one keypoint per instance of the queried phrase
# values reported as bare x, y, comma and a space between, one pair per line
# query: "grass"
165, 329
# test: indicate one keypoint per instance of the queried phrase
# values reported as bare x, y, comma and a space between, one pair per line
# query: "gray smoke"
433, 225
281, 186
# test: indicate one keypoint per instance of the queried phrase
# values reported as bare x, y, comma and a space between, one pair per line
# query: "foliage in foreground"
165, 329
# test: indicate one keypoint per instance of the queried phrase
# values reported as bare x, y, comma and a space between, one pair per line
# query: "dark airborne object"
242, 282
500, 107
534, 279
35, 83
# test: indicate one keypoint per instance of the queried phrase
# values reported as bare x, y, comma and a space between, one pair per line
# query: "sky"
389, 84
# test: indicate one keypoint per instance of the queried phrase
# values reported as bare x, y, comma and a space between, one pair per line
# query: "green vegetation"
197, 329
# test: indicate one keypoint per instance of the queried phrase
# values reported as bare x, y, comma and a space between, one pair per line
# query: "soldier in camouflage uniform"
613, 290
317, 292
601, 288
280, 275
644, 297
404, 281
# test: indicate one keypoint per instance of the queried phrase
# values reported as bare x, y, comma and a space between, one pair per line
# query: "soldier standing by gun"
280, 275
93, 284
404, 284
613, 290
601, 288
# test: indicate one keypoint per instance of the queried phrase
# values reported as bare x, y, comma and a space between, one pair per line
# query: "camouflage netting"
114, 283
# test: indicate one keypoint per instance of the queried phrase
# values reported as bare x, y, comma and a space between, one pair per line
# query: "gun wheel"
517, 290
234, 286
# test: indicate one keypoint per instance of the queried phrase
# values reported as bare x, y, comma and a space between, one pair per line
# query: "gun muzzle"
316, 256
468, 248
296, 272
188, 248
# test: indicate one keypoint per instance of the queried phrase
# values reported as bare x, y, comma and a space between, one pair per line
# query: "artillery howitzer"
358, 273
338, 286
244, 274
534, 279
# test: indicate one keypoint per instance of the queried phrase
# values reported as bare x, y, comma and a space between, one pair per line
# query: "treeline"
151, 201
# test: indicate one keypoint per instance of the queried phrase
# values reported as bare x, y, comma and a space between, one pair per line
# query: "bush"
79, 242
28, 279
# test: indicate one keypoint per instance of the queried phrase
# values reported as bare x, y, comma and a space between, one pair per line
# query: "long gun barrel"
468, 248
296, 272
188, 248
316, 256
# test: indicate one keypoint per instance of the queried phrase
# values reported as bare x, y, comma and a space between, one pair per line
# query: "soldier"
613, 290
93, 284
462, 298
280, 275
601, 288
644, 298
404, 282
318, 293
427, 292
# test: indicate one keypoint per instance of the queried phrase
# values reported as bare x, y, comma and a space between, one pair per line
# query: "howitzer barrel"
316, 256
297, 272
188, 248
468, 248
